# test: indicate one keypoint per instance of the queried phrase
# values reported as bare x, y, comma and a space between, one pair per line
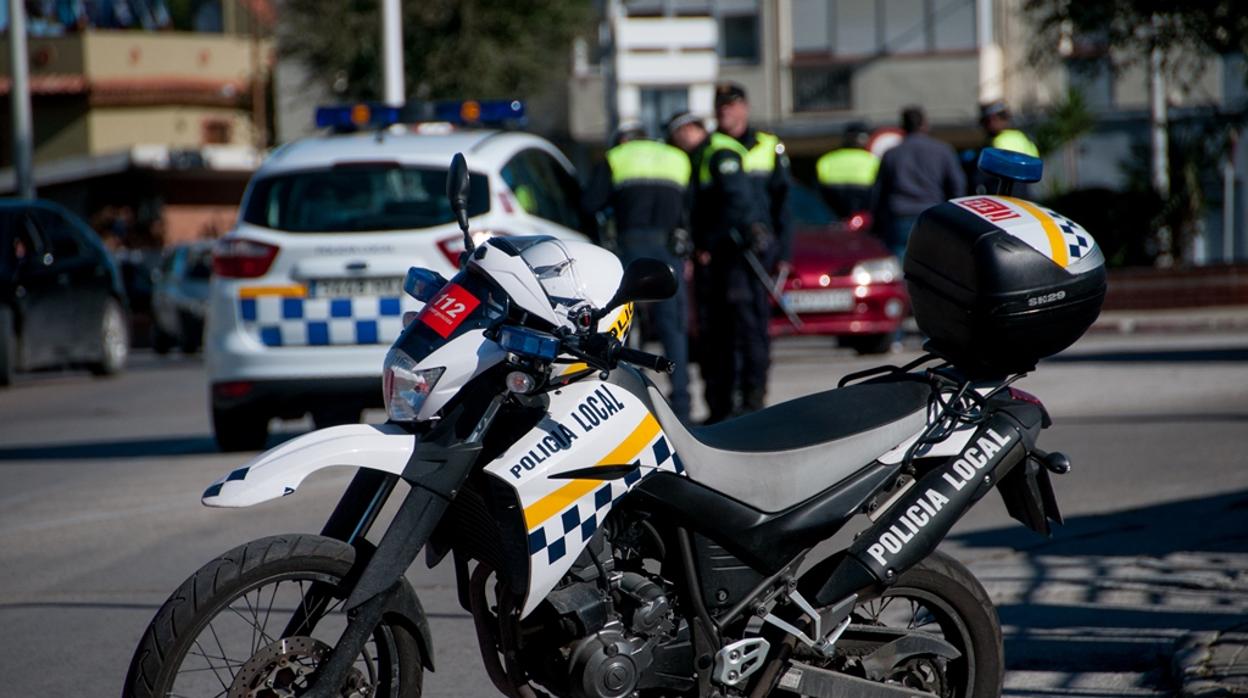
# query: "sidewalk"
1213, 664
1175, 320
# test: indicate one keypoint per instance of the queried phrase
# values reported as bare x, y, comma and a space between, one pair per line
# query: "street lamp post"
23, 137
392, 52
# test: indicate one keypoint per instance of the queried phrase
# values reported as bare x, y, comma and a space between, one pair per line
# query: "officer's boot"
753, 399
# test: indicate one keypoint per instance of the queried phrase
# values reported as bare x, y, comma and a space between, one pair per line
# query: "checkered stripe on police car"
1077, 240
555, 536
283, 321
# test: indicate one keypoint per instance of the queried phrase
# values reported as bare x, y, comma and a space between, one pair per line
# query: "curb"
1212, 664
1229, 319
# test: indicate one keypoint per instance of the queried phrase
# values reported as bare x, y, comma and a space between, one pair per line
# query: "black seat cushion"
815, 419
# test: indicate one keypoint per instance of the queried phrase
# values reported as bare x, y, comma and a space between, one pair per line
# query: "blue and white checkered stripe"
284, 322
575, 526
1078, 242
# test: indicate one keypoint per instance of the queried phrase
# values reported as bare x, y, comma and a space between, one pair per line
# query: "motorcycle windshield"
469, 301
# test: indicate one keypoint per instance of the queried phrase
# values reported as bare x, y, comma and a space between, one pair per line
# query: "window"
856, 31
812, 25
870, 27
657, 104
216, 131
1093, 78
822, 88
358, 197
543, 188
59, 235
738, 37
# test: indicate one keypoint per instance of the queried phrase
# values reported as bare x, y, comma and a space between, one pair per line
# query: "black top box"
998, 283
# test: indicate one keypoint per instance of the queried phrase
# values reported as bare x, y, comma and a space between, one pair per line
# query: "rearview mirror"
645, 279
457, 189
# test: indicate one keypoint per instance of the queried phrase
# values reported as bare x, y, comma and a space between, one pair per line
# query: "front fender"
279, 471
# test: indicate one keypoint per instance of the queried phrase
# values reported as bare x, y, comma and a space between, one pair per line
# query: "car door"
534, 178
38, 291
82, 282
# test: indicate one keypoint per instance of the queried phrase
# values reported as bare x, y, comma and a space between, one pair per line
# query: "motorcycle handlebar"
654, 362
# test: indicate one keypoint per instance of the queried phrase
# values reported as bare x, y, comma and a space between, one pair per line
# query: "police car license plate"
350, 288
819, 301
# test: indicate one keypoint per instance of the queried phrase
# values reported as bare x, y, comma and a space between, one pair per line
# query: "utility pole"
392, 52
19, 99
1158, 136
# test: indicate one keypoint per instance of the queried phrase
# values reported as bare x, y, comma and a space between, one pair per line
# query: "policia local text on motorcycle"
602, 547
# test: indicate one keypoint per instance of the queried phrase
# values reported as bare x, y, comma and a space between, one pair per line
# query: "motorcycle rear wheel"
937, 597
221, 633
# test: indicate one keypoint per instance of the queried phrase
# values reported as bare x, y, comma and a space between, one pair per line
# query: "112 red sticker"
449, 309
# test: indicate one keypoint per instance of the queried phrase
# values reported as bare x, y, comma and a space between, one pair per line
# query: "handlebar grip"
653, 362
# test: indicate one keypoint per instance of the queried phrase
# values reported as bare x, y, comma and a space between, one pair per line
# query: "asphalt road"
100, 518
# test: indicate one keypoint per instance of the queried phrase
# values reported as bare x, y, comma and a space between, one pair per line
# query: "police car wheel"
162, 341
190, 333
8, 347
240, 429
114, 340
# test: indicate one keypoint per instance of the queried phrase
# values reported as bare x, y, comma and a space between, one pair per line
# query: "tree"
452, 49
1183, 29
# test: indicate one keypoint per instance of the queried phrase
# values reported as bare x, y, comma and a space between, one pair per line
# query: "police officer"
767, 166
766, 163
847, 173
645, 184
728, 219
995, 118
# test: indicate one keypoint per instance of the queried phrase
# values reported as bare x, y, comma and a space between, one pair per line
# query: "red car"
844, 282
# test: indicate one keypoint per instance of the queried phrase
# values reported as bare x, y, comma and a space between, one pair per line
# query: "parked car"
180, 297
61, 297
844, 281
307, 289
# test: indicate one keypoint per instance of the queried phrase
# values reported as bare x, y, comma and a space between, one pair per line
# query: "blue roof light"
1010, 165
485, 112
352, 117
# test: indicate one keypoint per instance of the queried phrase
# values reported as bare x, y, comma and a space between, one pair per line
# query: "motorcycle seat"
778, 457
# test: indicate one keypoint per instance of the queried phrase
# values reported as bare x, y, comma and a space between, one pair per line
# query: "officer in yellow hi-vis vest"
995, 119
644, 186
847, 173
728, 219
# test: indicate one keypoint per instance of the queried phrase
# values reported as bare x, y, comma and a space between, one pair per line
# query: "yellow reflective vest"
1017, 141
648, 161
847, 166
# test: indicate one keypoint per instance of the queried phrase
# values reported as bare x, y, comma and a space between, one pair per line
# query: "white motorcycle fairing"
589, 424
279, 471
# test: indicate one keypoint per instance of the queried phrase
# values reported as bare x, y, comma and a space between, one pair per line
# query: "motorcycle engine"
612, 630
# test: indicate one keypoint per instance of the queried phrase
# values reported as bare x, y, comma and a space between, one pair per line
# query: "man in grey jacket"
916, 174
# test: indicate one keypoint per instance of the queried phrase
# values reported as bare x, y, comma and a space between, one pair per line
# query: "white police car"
307, 292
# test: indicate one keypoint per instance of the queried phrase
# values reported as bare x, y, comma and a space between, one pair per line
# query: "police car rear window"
358, 198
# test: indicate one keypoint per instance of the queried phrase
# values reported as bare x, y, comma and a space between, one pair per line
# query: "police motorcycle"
604, 548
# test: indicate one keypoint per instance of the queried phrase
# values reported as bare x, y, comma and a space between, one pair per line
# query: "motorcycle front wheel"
258, 621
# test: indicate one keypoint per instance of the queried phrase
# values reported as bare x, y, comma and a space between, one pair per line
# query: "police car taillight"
452, 247
239, 258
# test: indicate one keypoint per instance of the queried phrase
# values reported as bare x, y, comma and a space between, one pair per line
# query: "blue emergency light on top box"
497, 113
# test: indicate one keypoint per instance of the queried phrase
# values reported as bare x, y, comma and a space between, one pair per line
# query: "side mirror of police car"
457, 194
645, 279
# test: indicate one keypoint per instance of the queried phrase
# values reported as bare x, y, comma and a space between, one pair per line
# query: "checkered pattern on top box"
285, 322
1077, 240
552, 539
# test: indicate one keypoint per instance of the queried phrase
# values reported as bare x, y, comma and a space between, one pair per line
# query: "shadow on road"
1115, 592
126, 448
1155, 356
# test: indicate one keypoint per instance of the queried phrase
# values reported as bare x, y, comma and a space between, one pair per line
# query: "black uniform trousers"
735, 348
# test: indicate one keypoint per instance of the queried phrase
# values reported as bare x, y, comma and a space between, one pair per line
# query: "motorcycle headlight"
876, 271
405, 387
